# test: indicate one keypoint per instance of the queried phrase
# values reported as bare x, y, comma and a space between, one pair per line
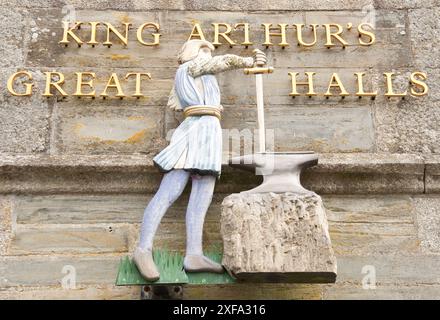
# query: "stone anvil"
278, 231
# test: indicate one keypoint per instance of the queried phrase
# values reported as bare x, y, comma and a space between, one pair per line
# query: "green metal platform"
170, 265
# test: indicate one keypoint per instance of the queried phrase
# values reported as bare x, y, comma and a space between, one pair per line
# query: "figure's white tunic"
196, 144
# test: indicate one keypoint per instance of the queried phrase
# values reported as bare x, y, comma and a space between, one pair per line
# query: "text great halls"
148, 34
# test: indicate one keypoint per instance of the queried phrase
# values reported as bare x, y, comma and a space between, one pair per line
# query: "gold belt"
203, 110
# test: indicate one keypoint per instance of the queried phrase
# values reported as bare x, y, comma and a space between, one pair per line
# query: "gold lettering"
268, 34
197, 32
299, 36
335, 82
93, 27
113, 82
390, 92
246, 41
308, 83
418, 83
56, 84
369, 34
11, 80
224, 35
69, 32
111, 28
138, 82
155, 35
80, 83
361, 92
329, 34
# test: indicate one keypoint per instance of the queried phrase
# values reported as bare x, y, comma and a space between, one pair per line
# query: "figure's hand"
260, 58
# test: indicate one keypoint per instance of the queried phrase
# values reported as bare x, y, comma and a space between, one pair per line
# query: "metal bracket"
161, 292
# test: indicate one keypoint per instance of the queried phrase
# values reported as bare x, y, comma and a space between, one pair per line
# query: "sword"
259, 70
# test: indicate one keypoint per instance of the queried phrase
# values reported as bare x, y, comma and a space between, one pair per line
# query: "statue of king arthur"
195, 151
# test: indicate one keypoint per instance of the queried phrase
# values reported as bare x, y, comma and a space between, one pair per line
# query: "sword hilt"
258, 70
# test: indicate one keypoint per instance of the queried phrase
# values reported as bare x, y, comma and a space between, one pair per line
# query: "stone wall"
76, 174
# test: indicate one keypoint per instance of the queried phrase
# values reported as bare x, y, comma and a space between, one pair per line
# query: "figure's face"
204, 52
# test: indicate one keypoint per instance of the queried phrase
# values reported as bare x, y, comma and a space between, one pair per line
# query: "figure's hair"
190, 49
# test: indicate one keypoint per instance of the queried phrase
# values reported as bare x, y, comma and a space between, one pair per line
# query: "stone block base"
270, 237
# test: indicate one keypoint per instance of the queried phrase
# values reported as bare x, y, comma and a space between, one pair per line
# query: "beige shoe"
145, 264
198, 263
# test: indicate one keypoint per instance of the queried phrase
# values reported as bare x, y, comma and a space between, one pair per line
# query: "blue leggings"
171, 187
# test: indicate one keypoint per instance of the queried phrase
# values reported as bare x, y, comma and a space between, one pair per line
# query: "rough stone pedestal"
269, 237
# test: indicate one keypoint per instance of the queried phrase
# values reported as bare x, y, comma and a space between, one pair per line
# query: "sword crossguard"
258, 70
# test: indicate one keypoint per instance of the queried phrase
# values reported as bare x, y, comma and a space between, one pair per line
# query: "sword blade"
260, 112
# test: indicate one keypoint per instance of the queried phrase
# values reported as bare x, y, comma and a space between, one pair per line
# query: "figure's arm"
217, 64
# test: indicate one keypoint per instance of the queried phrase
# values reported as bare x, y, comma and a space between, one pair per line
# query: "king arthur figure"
195, 151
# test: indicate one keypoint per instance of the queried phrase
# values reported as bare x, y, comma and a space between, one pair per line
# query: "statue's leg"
172, 185
199, 201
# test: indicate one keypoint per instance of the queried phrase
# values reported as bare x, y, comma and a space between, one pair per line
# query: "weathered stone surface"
80, 293
24, 121
79, 239
96, 275
336, 173
255, 291
97, 224
96, 130
408, 126
277, 236
229, 5
433, 83
88, 209
214, 5
432, 174
80, 209
372, 173
47, 270
14, 36
172, 235
322, 129
371, 163
397, 268
425, 36
382, 292
405, 4
392, 269
85, 173
358, 224
372, 225
359, 183
235, 292
428, 222
411, 126
5, 223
